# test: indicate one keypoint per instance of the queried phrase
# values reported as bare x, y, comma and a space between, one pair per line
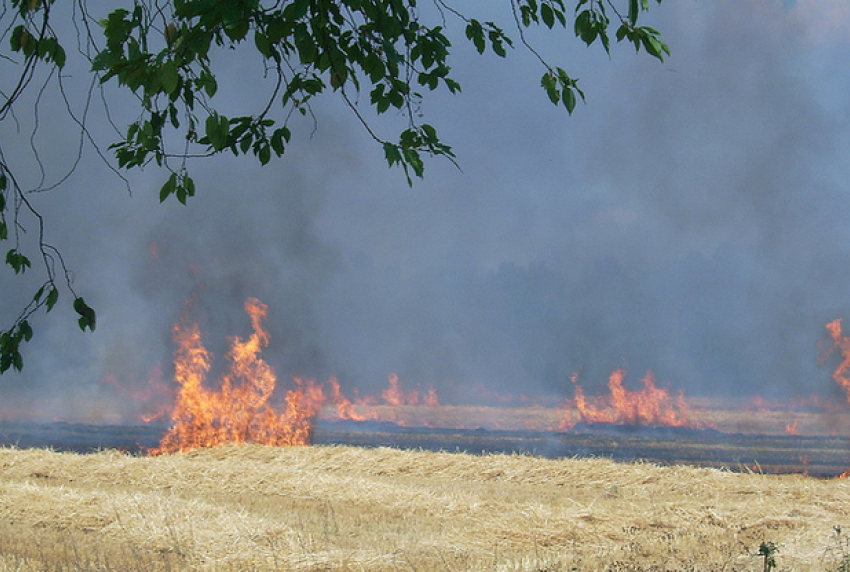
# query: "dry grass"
345, 508
727, 415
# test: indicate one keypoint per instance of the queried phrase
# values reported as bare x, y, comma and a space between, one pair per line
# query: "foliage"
164, 53
768, 550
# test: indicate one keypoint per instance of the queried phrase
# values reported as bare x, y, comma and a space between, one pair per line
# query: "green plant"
768, 551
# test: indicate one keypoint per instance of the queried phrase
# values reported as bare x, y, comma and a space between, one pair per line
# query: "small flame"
431, 399
345, 409
394, 395
842, 374
792, 427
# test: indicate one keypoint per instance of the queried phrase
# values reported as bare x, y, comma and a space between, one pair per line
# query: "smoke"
688, 219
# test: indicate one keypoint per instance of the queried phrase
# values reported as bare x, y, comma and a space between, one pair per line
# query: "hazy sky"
691, 218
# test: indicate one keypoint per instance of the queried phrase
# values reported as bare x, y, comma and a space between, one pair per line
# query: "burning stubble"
249, 405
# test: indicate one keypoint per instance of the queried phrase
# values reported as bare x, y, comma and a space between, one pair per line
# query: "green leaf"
653, 45
550, 84
58, 56
296, 10
264, 154
569, 99
52, 297
475, 32
17, 261
245, 142
25, 330
169, 77
263, 44
189, 185
9, 354
277, 140
206, 81
304, 41
87, 315
634, 11
548, 15
168, 188
582, 23
392, 153
18, 38
217, 130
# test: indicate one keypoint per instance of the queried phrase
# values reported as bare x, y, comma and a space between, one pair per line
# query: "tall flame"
241, 410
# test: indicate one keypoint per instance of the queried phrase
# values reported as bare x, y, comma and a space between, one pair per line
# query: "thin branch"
522, 38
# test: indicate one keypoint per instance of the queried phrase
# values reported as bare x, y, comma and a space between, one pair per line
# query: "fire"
241, 411
345, 409
431, 399
245, 407
651, 406
394, 395
792, 428
842, 374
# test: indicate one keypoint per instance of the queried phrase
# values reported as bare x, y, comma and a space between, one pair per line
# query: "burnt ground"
817, 456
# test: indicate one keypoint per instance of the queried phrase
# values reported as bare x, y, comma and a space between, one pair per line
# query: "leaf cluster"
383, 47
45, 297
33, 37
592, 23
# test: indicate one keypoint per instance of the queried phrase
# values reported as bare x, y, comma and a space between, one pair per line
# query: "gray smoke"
689, 219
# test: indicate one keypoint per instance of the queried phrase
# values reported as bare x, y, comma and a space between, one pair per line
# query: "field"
345, 508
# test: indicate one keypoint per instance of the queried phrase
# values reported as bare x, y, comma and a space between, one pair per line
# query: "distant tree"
164, 53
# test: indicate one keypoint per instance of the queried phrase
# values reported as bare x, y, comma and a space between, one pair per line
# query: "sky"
689, 218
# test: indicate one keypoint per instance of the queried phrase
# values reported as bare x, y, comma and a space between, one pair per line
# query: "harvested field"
347, 508
816, 455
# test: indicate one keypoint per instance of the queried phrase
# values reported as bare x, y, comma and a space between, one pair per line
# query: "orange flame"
394, 395
344, 407
650, 406
241, 410
431, 399
842, 374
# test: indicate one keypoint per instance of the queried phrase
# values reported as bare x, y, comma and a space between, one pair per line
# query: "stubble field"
345, 508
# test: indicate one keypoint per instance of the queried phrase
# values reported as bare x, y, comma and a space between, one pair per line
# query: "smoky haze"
690, 218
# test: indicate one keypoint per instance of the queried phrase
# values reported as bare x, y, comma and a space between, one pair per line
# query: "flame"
345, 409
650, 406
394, 395
792, 427
842, 374
244, 408
241, 411
431, 399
